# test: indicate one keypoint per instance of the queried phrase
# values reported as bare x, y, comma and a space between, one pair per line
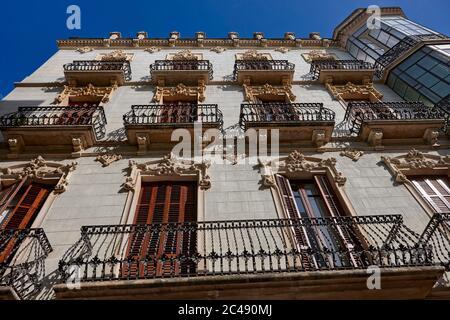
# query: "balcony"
61, 128
189, 72
296, 122
98, 73
270, 258
394, 122
263, 71
342, 71
155, 123
22, 256
385, 61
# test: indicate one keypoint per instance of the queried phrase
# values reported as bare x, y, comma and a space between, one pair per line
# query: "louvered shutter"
163, 203
293, 213
23, 214
7, 195
435, 190
345, 235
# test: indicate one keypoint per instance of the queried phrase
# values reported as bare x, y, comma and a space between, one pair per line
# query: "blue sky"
29, 29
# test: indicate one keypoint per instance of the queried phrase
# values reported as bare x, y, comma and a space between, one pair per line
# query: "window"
310, 199
20, 204
435, 190
164, 203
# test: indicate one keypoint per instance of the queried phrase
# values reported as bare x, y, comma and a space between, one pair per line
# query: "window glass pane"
427, 62
428, 80
441, 70
442, 89
415, 71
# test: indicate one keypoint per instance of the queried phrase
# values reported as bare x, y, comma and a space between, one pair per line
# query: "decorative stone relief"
375, 138
254, 55
184, 55
117, 55
318, 137
252, 92
352, 154
315, 55
295, 163
169, 166
84, 50
352, 91
218, 49
416, 163
39, 169
90, 90
107, 159
282, 49
152, 49
180, 90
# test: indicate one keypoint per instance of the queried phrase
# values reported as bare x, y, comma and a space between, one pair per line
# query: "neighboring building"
94, 204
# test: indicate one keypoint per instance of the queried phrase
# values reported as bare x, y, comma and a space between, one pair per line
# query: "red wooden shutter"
8, 194
292, 211
162, 203
28, 206
346, 234
24, 213
435, 190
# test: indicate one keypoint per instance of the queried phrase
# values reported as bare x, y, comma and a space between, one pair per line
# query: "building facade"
308, 165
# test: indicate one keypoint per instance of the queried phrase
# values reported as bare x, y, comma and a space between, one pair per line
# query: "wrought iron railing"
444, 105
173, 114
58, 116
262, 65
319, 65
359, 112
22, 257
437, 236
94, 65
182, 65
241, 247
284, 113
399, 49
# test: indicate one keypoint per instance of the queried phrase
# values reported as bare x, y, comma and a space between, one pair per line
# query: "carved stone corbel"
142, 142
431, 136
375, 138
107, 159
318, 138
352, 154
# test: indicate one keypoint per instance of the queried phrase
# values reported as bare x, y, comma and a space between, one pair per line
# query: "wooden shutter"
27, 207
8, 194
163, 203
24, 213
345, 234
293, 213
435, 190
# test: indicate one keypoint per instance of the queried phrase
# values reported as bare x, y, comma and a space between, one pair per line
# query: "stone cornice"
149, 43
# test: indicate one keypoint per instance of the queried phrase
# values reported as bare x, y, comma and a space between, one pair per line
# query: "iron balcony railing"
444, 105
173, 114
262, 65
69, 116
241, 247
182, 65
22, 256
437, 236
94, 65
400, 48
359, 112
284, 113
319, 65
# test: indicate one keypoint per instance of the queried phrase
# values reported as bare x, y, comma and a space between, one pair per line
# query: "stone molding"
107, 159
296, 164
252, 92
180, 91
115, 56
315, 55
101, 93
169, 167
416, 163
354, 92
352, 154
39, 169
